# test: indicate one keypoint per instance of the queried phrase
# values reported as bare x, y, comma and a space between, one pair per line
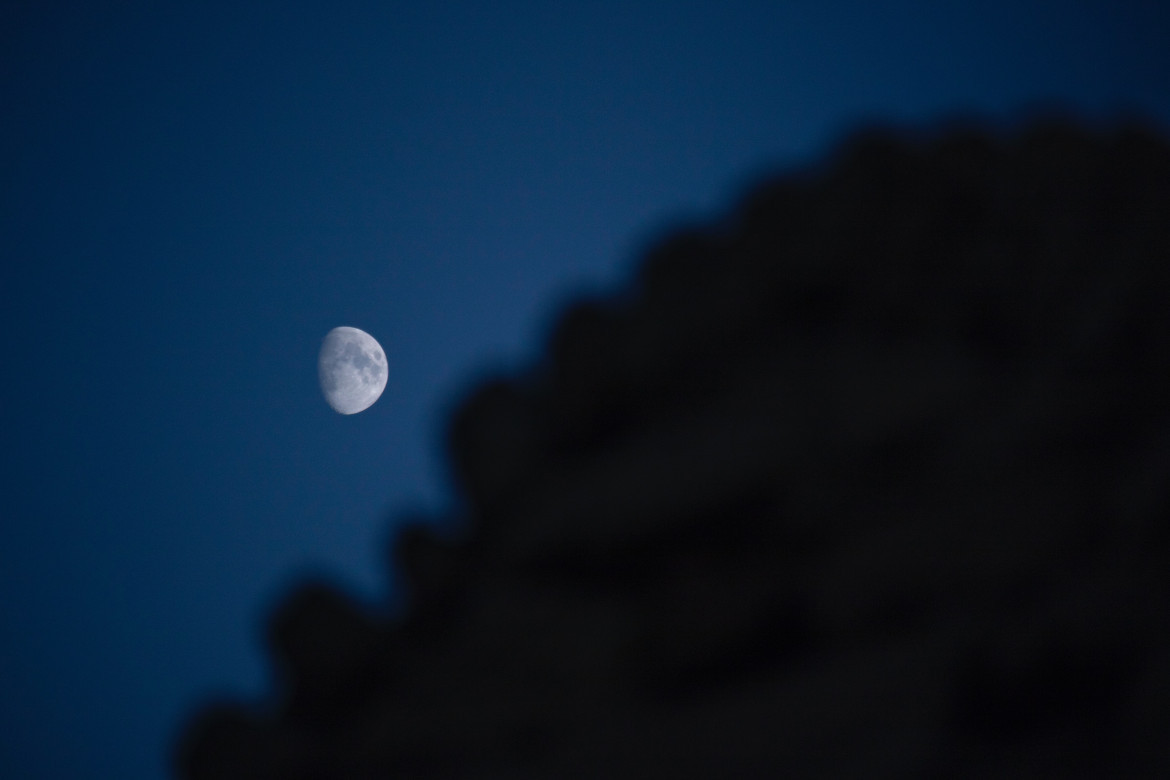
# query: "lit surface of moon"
352, 369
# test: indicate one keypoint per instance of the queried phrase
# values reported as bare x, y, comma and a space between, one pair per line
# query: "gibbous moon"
352, 369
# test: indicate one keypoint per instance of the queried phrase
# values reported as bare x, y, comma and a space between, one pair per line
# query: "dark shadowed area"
868, 478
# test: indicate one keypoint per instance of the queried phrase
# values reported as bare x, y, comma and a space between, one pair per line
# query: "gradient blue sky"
193, 195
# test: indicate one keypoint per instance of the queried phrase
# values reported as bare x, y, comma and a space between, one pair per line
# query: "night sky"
191, 197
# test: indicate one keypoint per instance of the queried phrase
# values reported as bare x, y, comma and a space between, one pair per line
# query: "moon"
352, 369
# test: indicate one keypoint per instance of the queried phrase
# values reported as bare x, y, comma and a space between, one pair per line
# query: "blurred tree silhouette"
866, 478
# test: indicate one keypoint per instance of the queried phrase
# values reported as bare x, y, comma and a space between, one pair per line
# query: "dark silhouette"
867, 479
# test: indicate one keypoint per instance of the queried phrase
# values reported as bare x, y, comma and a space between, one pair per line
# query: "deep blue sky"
191, 198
